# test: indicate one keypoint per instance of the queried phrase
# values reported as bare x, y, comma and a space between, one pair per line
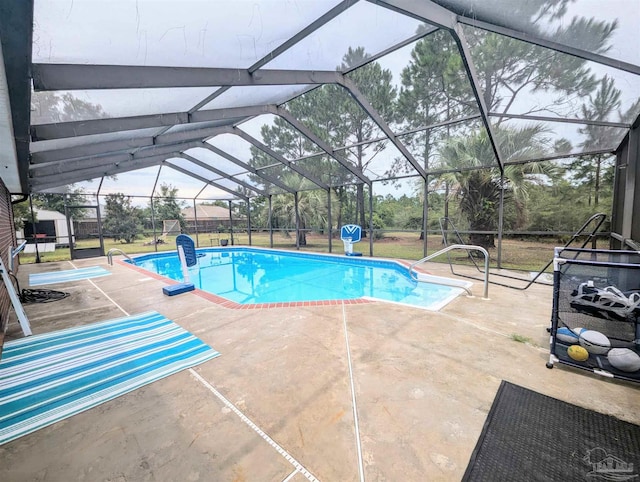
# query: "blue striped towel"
52, 277
49, 377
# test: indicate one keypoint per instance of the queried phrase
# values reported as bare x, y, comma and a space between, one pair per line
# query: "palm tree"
312, 209
478, 186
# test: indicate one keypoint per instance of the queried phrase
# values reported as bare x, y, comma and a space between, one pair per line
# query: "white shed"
51, 231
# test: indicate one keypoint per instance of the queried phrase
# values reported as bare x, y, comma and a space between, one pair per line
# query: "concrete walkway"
335, 393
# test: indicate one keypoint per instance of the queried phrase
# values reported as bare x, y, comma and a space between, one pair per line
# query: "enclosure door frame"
82, 253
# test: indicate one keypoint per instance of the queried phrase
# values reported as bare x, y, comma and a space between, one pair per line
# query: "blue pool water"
250, 275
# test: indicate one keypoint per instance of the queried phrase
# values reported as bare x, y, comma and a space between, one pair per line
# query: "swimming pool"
256, 276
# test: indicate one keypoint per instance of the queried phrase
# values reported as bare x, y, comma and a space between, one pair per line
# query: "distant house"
87, 226
211, 219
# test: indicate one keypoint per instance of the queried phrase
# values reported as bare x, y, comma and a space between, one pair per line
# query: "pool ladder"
118, 250
466, 247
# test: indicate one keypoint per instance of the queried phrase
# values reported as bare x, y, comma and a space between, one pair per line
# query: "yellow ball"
578, 353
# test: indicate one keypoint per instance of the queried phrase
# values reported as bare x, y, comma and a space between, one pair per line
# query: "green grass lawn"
516, 254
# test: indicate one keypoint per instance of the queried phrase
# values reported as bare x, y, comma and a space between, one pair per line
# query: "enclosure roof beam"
287, 44
467, 61
58, 130
435, 125
267, 150
554, 157
62, 179
305, 131
206, 181
402, 133
567, 120
244, 165
550, 44
89, 77
424, 10
305, 32
440, 16
351, 87
372, 58
166, 142
104, 149
202, 133
96, 161
592, 152
223, 174
87, 150
393, 48
434, 14
216, 93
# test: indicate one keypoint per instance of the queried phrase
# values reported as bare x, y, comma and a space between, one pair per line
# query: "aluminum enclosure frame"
54, 167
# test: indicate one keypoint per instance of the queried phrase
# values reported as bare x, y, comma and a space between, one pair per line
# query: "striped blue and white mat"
49, 377
52, 277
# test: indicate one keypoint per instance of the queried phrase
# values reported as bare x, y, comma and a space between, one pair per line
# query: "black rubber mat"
530, 436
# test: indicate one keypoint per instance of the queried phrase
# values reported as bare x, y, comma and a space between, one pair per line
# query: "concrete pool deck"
344, 392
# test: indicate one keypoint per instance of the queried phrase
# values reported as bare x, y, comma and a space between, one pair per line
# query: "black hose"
42, 296
38, 296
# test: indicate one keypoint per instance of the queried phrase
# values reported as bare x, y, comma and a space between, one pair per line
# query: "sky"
236, 33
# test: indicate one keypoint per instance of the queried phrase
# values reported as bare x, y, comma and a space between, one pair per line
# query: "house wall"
7, 239
85, 228
213, 225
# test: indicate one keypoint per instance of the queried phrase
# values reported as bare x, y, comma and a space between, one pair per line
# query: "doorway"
85, 228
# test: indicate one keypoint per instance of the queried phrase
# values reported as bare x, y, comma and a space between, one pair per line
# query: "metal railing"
466, 247
595, 221
118, 250
628, 242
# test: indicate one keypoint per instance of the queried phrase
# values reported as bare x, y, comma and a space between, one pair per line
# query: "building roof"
46, 215
207, 212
